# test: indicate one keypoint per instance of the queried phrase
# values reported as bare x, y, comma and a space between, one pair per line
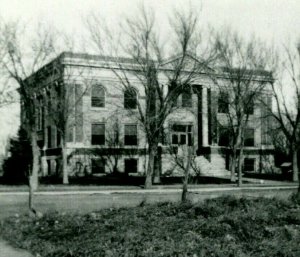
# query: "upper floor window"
130, 135
98, 134
249, 107
223, 102
186, 99
98, 96
130, 98
249, 137
181, 134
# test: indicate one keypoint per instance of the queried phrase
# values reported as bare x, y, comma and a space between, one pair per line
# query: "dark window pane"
131, 165
174, 139
130, 140
98, 134
49, 137
190, 139
187, 99
58, 138
130, 99
249, 108
98, 166
179, 128
130, 137
224, 136
182, 139
223, 102
249, 137
249, 164
98, 96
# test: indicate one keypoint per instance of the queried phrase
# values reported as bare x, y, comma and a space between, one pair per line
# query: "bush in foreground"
224, 226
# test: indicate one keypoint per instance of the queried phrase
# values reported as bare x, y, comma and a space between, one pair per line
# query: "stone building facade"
102, 132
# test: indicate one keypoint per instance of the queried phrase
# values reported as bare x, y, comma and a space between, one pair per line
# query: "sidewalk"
8, 251
42, 189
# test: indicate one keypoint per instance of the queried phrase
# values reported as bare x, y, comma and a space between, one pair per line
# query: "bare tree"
21, 57
162, 79
64, 104
240, 83
287, 103
183, 157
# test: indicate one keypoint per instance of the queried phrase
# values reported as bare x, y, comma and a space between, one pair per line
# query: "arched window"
130, 98
98, 96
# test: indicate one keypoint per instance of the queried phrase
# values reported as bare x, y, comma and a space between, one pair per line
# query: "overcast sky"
275, 21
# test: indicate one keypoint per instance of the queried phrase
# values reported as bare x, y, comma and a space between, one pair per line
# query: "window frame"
187, 102
223, 106
101, 99
133, 101
128, 160
246, 139
250, 107
94, 161
223, 132
183, 130
245, 166
104, 135
126, 135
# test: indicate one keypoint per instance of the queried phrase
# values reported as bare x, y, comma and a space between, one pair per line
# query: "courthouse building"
103, 133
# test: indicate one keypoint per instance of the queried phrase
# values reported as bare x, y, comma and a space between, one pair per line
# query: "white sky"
272, 20
275, 21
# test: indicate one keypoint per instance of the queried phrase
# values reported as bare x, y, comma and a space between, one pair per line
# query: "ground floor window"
181, 134
249, 164
98, 166
224, 136
131, 165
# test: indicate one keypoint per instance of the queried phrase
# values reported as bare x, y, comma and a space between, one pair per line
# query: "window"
181, 134
49, 135
223, 102
130, 135
98, 96
40, 115
249, 108
224, 136
98, 166
58, 137
98, 134
186, 99
130, 165
249, 137
249, 164
130, 98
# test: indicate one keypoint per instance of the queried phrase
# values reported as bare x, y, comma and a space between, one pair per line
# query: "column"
204, 117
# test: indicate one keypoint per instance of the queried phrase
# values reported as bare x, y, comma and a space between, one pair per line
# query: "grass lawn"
224, 226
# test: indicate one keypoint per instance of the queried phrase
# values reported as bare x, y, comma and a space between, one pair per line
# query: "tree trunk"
34, 175
240, 173
150, 168
157, 166
65, 168
295, 166
232, 167
186, 177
